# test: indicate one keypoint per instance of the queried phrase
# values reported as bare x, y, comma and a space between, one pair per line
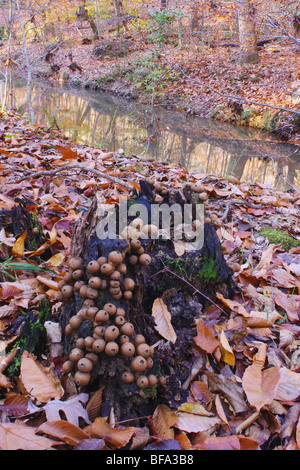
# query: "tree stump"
185, 284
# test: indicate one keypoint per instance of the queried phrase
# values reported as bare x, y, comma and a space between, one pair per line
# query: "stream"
203, 145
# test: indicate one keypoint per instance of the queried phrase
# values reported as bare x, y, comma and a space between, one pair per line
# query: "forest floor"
207, 80
244, 384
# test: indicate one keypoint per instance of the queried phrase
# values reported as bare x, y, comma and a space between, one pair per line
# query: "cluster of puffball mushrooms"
112, 334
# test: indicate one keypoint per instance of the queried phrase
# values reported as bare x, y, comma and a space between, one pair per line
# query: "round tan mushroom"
110, 308
85, 365
75, 263
139, 364
115, 258
145, 259
111, 333
112, 348
76, 322
127, 377
93, 267
127, 329
142, 381
76, 354
127, 349
82, 378
99, 345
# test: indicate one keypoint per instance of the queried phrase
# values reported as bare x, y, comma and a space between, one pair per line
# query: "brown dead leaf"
18, 248
162, 319
39, 381
64, 431
164, 419
194, 423
117, 438
205, 338
19, 436
260, 386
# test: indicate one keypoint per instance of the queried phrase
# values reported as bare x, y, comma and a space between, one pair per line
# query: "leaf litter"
244, 384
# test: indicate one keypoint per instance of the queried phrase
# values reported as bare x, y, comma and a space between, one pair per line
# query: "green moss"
208, 269
191, 269
32, 336
279, 236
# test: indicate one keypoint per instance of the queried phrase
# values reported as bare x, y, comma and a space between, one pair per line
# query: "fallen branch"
78, 167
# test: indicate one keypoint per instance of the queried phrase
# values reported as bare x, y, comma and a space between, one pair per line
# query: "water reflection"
203, 145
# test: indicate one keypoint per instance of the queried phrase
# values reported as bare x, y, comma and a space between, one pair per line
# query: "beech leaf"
39, 381
162, 319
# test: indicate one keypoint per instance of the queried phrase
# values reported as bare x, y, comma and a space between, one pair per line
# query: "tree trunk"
186, 284
247, 33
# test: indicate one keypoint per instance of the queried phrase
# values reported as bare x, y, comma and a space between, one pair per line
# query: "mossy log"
187, 284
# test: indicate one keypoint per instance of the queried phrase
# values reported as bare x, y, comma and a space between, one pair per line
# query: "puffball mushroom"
82, 378
110, 308
119, 320
102, 260
80, 343
76, 322
127, 329
92, 357
77, 275
127, 349
106, 269
93, 267
75, 263
128, 283
115, 276
152, 380
127, 377
127, 294
122, 268
78, 285
68, 366
99, 345
112, 332
145, 259
92, 312
76, 354
139, 339
111, 348
91, 293
67, 291
85, 365
137, 223
138, 364
95, 282
142, 381
88, 343
143, 350
115, 258
101, 316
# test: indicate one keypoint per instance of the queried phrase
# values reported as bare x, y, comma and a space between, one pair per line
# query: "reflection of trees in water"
198, 144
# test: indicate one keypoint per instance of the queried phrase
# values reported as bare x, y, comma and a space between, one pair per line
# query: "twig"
196, 291
247, 422
78, 167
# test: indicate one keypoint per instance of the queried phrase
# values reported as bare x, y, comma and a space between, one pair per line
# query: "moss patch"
279, 236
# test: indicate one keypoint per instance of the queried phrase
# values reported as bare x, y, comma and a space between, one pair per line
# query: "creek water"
203, 145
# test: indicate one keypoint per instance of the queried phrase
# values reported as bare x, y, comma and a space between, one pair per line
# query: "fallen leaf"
260, 386
164, 419
64, 431
193, 423
19, 436
115, 437
205, 338
18, 248
40, 382
162, 319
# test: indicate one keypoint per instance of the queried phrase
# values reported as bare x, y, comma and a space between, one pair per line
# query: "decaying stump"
185, 284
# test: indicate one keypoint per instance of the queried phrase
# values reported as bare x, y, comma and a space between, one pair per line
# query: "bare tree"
247, 32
